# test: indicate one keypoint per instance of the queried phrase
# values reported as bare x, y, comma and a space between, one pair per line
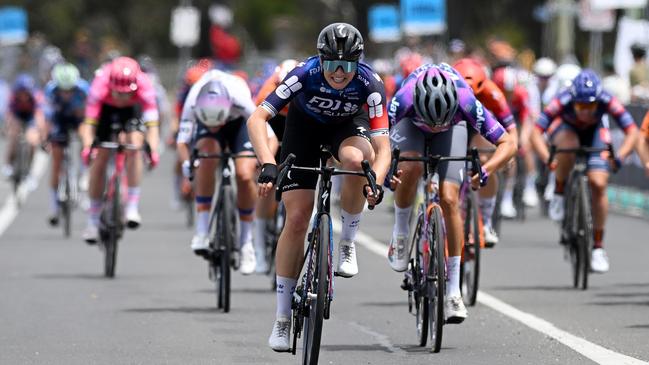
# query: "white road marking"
383, 340
9, 209
593, 351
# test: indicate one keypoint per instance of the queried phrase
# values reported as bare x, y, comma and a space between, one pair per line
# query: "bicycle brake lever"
369, 175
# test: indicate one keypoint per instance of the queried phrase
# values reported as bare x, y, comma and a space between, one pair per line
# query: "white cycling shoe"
90, 233
490, 236
279, 338
347, 265
248, 260
530, 197
454, 310
200, 242
599, 261
133, 218
398, 253
556, 211
507, 209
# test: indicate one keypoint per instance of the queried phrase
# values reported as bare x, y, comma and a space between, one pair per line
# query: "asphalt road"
57, 308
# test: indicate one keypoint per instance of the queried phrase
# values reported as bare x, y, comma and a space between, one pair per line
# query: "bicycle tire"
66, 204
226, 232
519, 188
470, 268
586, 231
319, 285
110, 246
496, 218
436, 277
420, 295
569, 229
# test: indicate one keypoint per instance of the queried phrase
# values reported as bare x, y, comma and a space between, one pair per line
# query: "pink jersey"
144, 96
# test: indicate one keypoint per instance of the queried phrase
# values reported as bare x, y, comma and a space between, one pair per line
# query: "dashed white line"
593, 351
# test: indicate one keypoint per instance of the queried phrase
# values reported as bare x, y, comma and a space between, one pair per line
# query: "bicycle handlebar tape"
396, 152
284, 168
371, 179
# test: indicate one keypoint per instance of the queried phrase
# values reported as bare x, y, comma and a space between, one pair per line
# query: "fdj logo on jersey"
285, 89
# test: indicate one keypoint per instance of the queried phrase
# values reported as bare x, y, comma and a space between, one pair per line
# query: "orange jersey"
493, 98
268, 87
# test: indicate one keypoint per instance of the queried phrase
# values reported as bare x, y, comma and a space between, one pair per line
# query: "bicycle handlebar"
195, 156
371, 179
583, 151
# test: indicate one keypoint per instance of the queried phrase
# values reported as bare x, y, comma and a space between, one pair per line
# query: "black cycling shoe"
54, 220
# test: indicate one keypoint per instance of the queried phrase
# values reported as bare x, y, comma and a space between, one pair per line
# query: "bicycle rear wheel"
585, 233
470, 268
496, 218
436, 277
317, 291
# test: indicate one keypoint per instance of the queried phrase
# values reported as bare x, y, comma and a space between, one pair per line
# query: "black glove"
379, 190
268, 173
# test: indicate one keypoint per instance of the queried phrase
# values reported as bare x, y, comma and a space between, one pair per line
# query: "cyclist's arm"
625, 121
643, 143
257, 130
505, 150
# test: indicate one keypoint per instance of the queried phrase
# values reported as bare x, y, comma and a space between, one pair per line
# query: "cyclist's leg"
204, 186
410, 140
13, 128
134, 165
598, 173
351, 145
530, 197
488, 193
239, 142
562, 135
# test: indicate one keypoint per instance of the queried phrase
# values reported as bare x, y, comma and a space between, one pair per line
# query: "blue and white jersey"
59, 107
306, 88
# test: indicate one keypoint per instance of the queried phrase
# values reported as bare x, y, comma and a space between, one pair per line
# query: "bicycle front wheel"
436, 276
317, 290
470, 269
585, 234
112, 236
66, 203
226, 228
418, 282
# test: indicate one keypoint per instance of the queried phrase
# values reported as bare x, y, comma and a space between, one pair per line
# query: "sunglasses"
585, 106
332, 65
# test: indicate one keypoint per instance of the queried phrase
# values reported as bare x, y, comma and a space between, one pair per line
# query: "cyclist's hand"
373, 200
185, 168
479, 180
85, 155
395, 180
171, 140
154, 159
267, 178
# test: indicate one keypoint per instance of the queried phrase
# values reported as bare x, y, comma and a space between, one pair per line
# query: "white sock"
453, 284
285, 289
530, 181
94, 211
54, 201
487, 206
202, 222
133, 199
508, 195
401, 221
259, 238
350, 223
246, 232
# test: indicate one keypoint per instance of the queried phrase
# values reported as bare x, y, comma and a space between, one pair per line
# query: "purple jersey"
308, 90
469, 109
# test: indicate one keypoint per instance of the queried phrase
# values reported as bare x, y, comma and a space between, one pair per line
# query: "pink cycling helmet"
124, 72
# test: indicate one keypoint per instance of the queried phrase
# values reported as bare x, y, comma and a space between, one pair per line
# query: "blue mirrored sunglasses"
332, 65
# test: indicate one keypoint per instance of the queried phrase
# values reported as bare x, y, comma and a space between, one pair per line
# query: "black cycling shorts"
303, 137
232, 136
127, 119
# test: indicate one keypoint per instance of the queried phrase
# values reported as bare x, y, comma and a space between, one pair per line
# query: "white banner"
629, 31
617, 4
185, 26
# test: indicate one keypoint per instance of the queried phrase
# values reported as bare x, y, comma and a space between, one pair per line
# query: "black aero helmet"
435, 99
340, 41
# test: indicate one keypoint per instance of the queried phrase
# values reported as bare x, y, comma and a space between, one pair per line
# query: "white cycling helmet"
65, 76
544, 67
213, 104
285, 67
566, 73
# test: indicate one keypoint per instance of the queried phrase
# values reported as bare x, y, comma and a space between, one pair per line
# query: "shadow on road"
335, 348
385, 304
59, 276
620, 303
639, 326
188, 310
534, 287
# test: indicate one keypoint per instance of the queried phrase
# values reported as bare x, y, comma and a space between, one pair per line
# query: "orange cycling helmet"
410, 63
472, 72
123, 75
196, 71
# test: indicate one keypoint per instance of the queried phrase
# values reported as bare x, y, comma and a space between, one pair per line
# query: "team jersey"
470, 109
562, 107
520, 103
58, 107
306, 88
238, 91
100, 94
25, 108
267, 88
493, 99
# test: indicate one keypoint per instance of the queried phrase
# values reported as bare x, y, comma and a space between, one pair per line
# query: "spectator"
639, 74
615, 84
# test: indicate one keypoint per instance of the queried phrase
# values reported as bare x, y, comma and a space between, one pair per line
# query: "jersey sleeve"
479, 117
400, 103
285, 92
522, 103
147, 96
376, 106
49, 100
497, 104
96, 95
617, 111
554, 108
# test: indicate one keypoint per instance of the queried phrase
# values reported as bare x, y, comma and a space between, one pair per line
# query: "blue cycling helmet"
586, 87
24, 82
